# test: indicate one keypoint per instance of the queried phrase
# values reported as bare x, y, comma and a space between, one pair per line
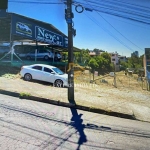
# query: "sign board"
28, 29
112, 74
46, 36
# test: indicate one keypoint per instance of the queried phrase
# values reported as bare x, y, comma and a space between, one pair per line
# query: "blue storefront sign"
47, 36
25, 27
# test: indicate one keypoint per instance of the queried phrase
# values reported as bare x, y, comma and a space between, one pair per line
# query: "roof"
8, 28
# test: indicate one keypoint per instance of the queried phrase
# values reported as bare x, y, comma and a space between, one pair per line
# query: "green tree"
82, 56
101, 63
93, 64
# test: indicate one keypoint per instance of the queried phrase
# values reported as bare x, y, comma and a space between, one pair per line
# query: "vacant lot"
128, 97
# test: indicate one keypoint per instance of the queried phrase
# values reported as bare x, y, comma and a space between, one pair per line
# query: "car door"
48, 76
37, 73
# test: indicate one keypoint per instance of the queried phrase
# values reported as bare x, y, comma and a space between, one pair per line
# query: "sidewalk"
106, 100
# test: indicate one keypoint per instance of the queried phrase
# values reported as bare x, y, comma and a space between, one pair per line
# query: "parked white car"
45, 73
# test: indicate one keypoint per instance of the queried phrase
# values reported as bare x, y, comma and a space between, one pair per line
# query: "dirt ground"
127, 97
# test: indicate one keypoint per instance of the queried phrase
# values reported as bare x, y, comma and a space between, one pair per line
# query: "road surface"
29, 125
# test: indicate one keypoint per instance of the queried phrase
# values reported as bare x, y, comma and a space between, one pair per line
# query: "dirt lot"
128, 97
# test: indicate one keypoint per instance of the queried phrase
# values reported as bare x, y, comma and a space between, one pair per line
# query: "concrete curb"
64, 104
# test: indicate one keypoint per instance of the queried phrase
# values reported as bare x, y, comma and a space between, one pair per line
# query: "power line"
34, 2
131, 13
109, 32
117, 8
119, 32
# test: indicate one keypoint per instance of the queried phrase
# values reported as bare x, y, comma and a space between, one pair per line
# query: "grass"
22, 94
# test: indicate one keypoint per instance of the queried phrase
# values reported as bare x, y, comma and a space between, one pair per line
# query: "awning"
16, 27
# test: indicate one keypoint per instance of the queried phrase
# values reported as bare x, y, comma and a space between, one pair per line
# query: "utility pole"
69, 16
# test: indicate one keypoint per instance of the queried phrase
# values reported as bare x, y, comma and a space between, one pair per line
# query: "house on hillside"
92, 53
115, 60
95, 52
122, 58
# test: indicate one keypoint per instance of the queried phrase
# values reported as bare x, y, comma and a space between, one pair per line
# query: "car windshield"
58, 71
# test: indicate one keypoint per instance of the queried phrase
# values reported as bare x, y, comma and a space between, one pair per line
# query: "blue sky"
95, 33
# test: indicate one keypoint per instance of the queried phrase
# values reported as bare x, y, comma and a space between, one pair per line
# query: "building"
135, 54
122, 58
95, 52
115, 60
92, 53
146, 61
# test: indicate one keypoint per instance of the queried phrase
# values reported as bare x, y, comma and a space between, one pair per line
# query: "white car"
45, 73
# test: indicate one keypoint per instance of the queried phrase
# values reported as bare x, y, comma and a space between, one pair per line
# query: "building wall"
114, 58
122, 58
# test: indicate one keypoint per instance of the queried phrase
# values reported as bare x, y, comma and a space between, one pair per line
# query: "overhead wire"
117, 30
109, 32
120, 32
132, 12
119, 11
35, 2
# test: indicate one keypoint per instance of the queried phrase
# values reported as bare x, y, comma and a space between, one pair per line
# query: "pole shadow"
77, 124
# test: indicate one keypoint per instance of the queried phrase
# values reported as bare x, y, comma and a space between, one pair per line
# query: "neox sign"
47, 36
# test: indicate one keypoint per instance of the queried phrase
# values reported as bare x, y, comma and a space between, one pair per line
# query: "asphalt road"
29, 125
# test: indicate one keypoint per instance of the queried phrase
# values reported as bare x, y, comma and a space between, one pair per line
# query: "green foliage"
101, 63
133, 62
82, 56
22, 94
93, 64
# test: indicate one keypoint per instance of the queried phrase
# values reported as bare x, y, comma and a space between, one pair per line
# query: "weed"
22, 94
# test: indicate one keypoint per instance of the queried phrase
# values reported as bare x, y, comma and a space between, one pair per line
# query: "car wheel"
28, 57
46, 57
58, 83
28, 77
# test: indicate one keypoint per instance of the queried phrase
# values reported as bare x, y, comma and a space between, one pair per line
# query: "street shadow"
77, 124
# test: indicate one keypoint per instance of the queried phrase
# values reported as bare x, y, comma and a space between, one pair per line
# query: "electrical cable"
117, 30
109, 33
35, 2
138, 16
105, 7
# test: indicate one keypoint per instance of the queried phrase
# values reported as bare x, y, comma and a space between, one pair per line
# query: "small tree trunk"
93, 73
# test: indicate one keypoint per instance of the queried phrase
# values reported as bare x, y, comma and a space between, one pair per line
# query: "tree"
101, 63
93, 64
82, 56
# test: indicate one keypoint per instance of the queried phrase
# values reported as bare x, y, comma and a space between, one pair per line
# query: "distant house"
115, 60
95, 52
92, 53
122, 58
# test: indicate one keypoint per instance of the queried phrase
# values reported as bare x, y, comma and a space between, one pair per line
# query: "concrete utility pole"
69, 16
